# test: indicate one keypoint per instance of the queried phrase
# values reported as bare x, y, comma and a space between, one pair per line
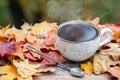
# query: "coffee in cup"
79, 40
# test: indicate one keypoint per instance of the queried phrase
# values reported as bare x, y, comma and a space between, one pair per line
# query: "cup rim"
73, 22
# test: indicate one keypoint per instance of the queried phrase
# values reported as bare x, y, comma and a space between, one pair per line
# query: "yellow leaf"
100, 66
9, 72
42, 27
88, 67
4, 29
25, 69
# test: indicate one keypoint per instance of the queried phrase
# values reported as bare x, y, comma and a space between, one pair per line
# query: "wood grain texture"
61, 74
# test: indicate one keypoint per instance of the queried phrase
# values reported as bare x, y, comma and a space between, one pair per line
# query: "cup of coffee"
78, 40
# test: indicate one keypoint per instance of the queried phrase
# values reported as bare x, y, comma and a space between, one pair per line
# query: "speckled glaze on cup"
80, 51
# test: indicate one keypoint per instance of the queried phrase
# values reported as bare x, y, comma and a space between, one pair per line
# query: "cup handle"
109, 37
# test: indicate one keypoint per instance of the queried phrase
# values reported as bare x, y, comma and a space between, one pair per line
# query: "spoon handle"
47, 56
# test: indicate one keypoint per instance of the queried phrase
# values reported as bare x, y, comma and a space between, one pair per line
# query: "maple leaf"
9, 72
4, 29
25, 69
55, 55
100, 66
3, 38
35, 45
96, 21
115, 71
50, 39
18, 34
26, 27
113, 51
18, 50
6, 48
43, 26
30, 56
88, 67
31, 38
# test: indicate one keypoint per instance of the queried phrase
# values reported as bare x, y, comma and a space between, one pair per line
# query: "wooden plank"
61, 74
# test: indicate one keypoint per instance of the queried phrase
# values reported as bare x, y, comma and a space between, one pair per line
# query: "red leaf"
55, 55
115, 71
6, 48
30, 56
50, 40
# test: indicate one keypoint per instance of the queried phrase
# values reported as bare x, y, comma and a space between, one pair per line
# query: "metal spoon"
74, 71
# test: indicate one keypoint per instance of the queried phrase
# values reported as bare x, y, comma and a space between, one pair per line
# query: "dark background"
16, 12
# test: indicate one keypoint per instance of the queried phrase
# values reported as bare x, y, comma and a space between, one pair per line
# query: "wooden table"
61, 74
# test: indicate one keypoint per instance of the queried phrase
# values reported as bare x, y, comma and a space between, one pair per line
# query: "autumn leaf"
88, 67
3, 38
44, 68
50, 39
30, 38
9, 72
55, 55
43, 26
18, 34
26, 27
113, 51
100, 66
26, 69
4, 29
6, 48
115, 71
28, 55
96, 21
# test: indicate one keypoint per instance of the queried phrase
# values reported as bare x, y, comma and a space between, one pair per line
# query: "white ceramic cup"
80, 51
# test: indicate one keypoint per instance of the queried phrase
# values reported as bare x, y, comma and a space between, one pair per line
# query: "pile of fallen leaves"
22, 63
107, 59
19, 63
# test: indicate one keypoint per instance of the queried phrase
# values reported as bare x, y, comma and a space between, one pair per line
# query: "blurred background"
32, 11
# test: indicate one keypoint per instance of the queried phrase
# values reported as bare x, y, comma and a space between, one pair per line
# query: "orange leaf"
88, 67
3, 38
18, 34
4, 29
31, 38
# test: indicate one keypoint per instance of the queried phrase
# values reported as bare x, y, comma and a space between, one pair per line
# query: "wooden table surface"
61, 74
